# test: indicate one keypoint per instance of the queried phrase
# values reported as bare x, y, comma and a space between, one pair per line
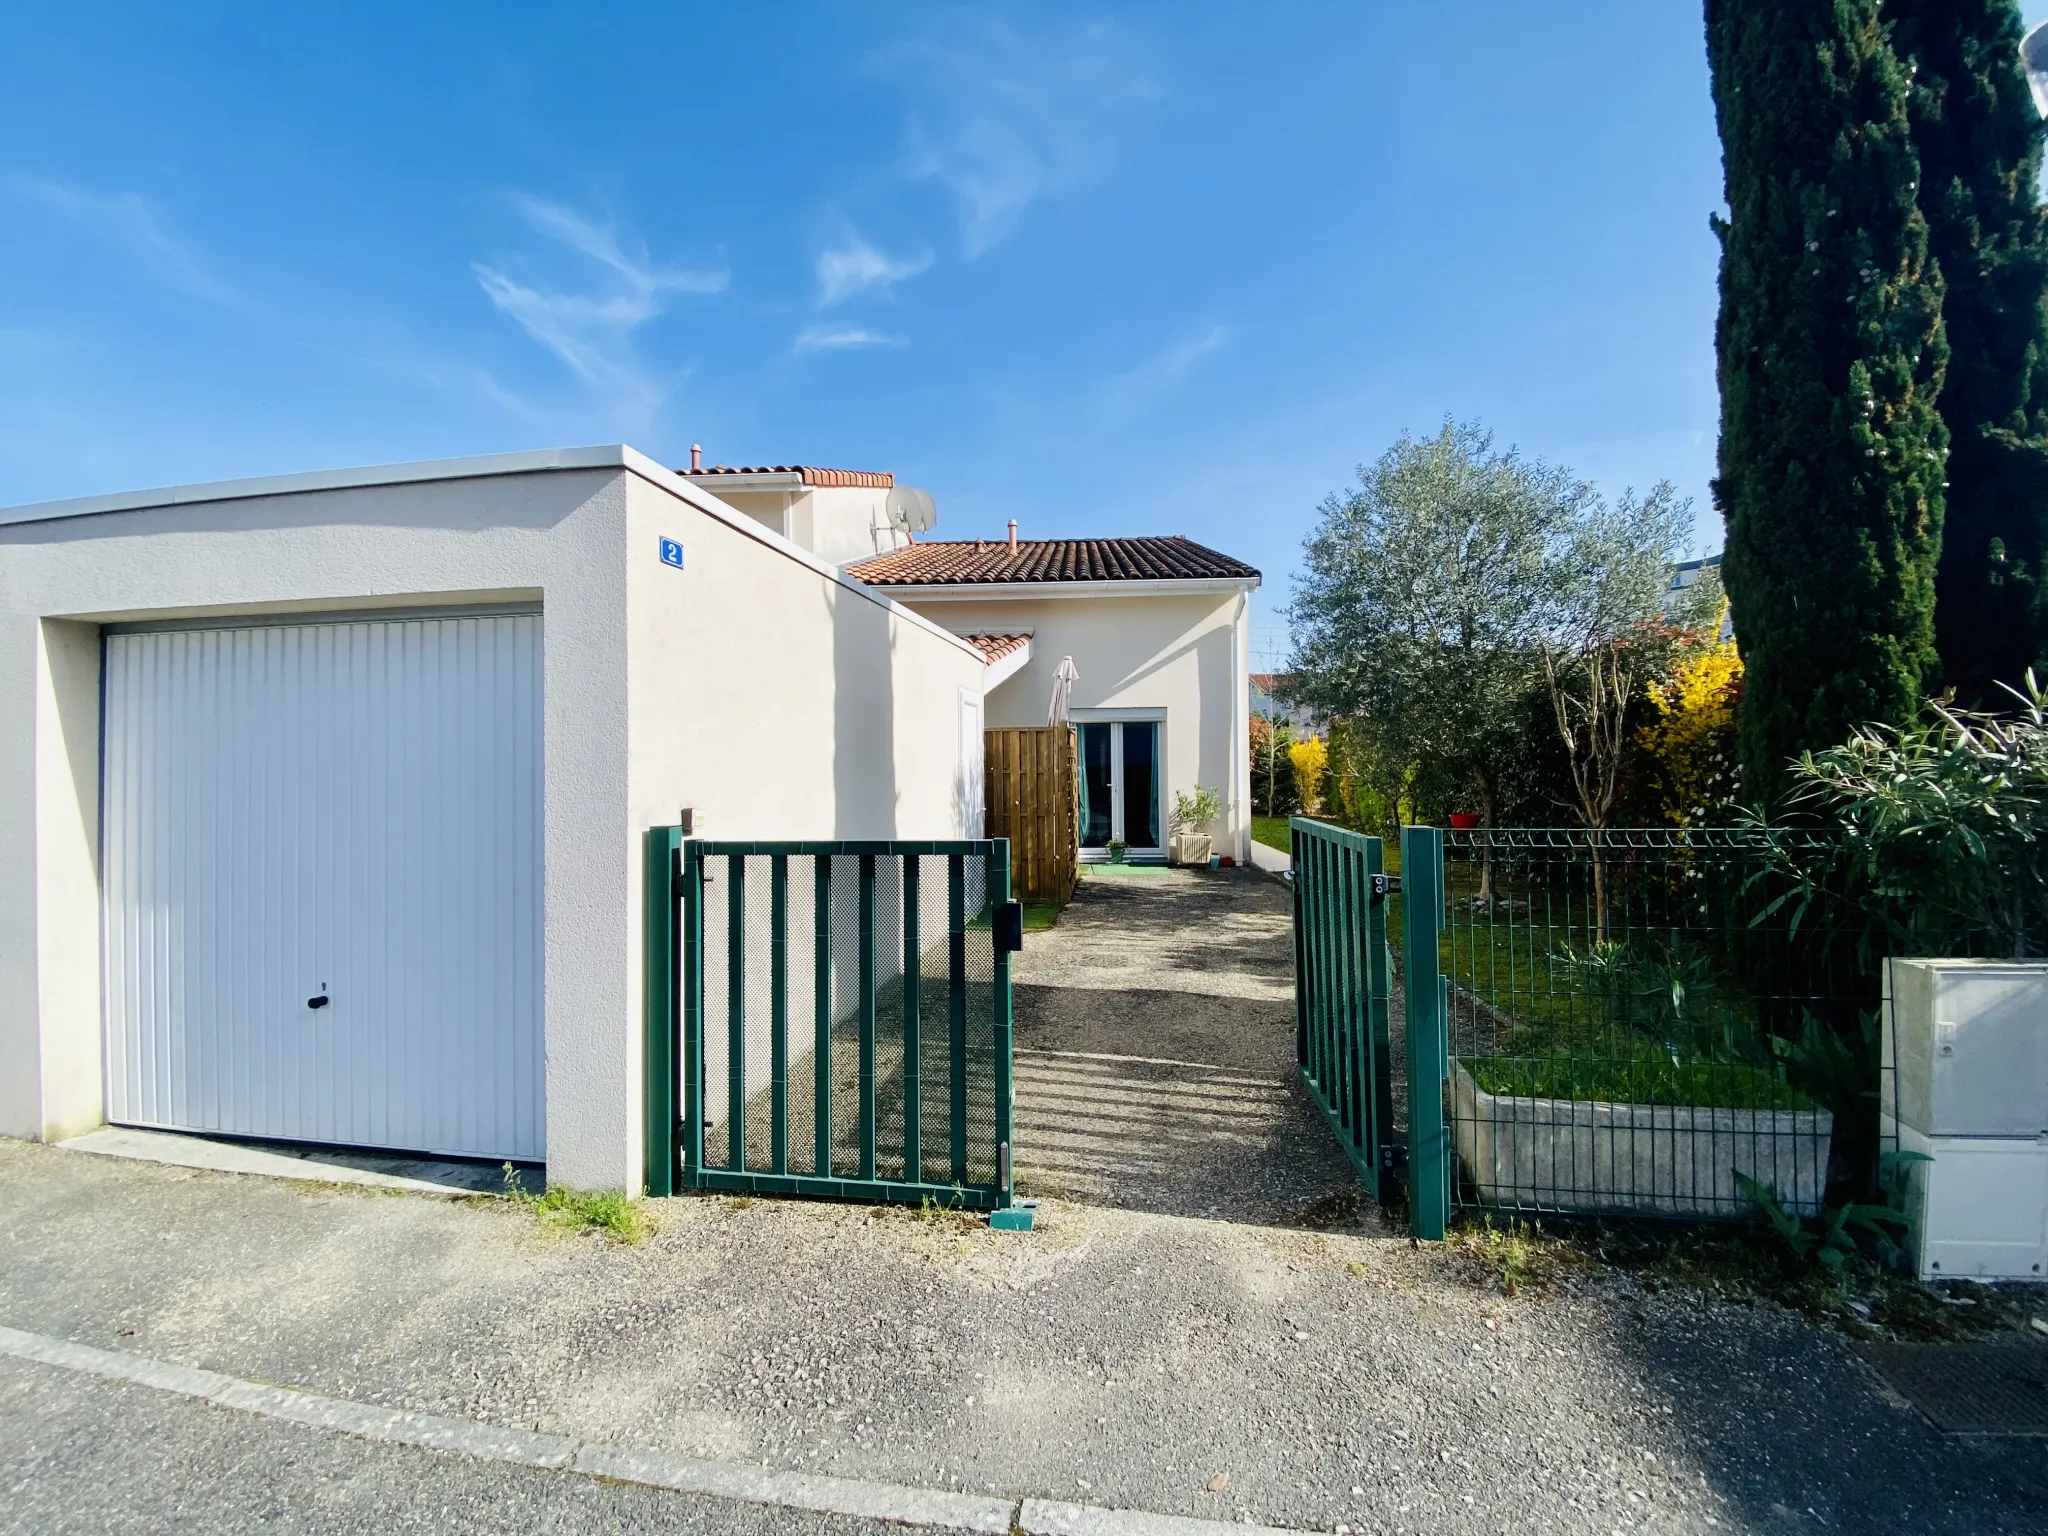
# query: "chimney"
1013, 535
696, 458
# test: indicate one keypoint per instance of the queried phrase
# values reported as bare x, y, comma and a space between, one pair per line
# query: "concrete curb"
812, 1493
1042, 1517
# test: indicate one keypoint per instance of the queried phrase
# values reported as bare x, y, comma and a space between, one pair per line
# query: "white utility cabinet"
1966, 1085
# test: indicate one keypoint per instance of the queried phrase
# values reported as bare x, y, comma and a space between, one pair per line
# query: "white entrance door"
1120, 786
321, 865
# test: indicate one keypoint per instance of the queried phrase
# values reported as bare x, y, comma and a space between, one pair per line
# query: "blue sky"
1170, 268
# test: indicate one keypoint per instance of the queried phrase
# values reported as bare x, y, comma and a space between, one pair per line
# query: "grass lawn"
1272, 831
1644, 1081
1550, 1030
1040, 915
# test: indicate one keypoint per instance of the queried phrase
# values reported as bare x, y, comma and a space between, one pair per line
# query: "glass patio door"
1120, 784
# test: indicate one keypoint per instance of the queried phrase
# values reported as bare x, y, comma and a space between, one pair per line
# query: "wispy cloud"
125, 221
1123, 393
1001, 119
856, 266
840, 338
591, 332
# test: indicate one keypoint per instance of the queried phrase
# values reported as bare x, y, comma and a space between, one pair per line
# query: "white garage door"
322, 873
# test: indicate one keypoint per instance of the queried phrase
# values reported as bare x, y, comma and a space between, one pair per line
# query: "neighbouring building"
1268, 703
1157, 629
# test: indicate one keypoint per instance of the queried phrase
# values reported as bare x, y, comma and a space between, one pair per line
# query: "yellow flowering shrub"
1692, 738
1311, 761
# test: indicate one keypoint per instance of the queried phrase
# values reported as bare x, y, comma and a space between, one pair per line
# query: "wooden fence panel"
1033, 800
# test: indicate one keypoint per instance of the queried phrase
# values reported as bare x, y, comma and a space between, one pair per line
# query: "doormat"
1970, 1389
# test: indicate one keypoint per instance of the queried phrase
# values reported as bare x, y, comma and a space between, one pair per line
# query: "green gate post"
999, 896
693, 1013
1422, 909
661, 929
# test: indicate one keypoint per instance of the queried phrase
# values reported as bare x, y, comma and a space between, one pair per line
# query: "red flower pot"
1464, 821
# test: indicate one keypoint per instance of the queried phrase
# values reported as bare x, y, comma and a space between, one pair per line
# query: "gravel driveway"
1155, 1054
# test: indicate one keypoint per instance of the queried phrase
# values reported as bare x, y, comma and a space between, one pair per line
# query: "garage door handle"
318, 1002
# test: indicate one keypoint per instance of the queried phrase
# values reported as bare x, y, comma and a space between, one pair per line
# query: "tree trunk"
1596, 845
1488, 798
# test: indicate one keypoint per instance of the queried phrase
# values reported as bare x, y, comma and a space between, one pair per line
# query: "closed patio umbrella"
1063, 682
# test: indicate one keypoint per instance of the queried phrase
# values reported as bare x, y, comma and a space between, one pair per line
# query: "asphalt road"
81, 1455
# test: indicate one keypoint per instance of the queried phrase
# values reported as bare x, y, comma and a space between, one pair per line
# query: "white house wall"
1183, 654
779, 703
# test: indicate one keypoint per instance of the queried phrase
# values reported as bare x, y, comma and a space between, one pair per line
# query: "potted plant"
1191, 813
1117, 848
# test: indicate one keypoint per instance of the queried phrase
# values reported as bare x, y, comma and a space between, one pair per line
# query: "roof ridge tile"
1144, 557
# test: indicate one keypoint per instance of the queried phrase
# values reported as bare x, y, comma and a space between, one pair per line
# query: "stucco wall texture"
752, 685
1185, 654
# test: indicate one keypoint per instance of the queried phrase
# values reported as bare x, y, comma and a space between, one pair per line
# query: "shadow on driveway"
1155, 1056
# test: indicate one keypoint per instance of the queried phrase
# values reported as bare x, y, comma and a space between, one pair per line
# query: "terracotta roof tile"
874, 479
996, 647
1170, 558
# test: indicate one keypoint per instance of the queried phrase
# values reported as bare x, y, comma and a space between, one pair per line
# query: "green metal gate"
831, 1019
1425, 1011
1341, 990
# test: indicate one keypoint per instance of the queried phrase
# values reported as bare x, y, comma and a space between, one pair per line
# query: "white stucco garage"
321, 797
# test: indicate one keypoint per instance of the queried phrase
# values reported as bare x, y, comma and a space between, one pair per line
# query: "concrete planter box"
1190, 848
1635, 1159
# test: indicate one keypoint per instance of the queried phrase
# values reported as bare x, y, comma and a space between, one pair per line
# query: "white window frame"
1117, 719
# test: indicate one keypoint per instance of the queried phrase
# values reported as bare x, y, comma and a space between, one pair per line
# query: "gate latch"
1384, 885
1009, 926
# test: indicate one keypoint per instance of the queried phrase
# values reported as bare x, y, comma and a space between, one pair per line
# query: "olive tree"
1432, 592
1617, 571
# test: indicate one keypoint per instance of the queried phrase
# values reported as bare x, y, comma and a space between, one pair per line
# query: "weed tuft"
949, 1213
597, 1210
1516, 1257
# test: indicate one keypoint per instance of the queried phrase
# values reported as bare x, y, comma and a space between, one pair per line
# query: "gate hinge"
1384, 885
1393, 1157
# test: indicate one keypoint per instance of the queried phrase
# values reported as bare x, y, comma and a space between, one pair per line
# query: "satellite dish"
2034, 59
911, 509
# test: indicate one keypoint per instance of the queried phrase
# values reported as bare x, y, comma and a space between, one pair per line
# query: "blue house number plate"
672, 553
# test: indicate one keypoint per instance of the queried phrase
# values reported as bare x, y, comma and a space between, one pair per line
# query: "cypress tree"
1830, 352
1978, 138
